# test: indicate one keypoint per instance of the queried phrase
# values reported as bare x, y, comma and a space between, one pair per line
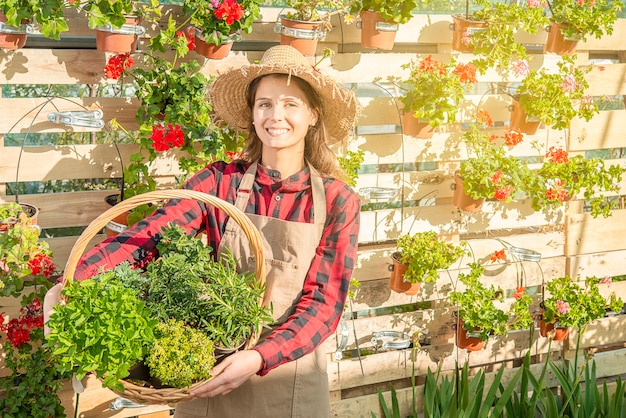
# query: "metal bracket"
21, 29
378, 192
124, 30
89, 118
526, 255
400, 340
299, 33
344, 340
121, 403
233, 37
387, 27
381, 26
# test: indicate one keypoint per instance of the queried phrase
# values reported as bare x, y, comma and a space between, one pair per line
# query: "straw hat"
228, 91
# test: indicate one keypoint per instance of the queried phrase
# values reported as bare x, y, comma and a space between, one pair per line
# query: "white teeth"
277, 131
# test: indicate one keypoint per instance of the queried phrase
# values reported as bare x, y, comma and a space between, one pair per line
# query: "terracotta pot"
416, 127
519, 120
557, 43
462, 31
31, 211
376, 32
110, 41
12, 40
463, 201
118, 224
212, 51
465, 341
559, 333
397, 282
301, 35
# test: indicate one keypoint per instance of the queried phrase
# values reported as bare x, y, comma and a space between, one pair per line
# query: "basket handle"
100, 222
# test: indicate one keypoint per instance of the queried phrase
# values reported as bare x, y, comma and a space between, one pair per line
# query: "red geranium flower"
117, 64
165, 138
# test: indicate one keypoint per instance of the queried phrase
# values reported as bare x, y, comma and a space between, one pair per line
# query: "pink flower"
562, 307
607, 280
568, 84
520, 67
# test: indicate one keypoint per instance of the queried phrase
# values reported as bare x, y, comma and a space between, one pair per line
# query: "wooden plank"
605, 130
76, 161
600, 264
604, 331
95, 400
62, 246
584, 234
608, 79
57, 210
391, 365
23, 115
606, 43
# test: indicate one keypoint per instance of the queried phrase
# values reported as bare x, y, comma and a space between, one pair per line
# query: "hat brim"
228, 97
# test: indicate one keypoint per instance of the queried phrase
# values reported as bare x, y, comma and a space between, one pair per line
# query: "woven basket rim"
152, 395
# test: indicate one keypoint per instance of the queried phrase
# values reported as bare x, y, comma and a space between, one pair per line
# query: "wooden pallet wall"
417, 173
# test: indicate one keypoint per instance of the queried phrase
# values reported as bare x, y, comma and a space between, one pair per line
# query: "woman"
286, 183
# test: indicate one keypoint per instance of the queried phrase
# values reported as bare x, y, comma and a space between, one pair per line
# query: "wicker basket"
144, 395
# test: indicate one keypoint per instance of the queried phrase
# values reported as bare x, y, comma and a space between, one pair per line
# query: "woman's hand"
52, 298
231, 373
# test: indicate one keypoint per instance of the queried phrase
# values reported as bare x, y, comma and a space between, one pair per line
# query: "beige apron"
298, 388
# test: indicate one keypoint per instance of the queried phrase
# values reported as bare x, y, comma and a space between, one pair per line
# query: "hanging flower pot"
560, 333
462, 200
558, 43
466, 340
118, 224
122, 40
462, 31
210, 50
519, 120
397, 281
299, 34
376, 32
12, 37
416, 127
32, 212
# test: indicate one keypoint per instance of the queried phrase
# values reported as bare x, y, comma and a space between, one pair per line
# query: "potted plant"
434, 91
173, 115
117, 22
219, 23
561, 177
419, 257
20, 14
495, 40
25, 261
306, 23
34, 380
490, 172
380, 20
573, 21
478, 313
570, 305
556, 97
177, 309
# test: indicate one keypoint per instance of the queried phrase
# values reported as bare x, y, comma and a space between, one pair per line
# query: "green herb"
102, 327
180, 355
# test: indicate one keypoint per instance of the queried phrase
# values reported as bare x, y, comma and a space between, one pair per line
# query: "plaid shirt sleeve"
326, 285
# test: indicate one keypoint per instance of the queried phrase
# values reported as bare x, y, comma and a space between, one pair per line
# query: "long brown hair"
316, 150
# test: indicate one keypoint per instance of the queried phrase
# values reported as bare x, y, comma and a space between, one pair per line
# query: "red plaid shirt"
326, 285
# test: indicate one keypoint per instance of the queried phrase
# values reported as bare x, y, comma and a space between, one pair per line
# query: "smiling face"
282, 115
